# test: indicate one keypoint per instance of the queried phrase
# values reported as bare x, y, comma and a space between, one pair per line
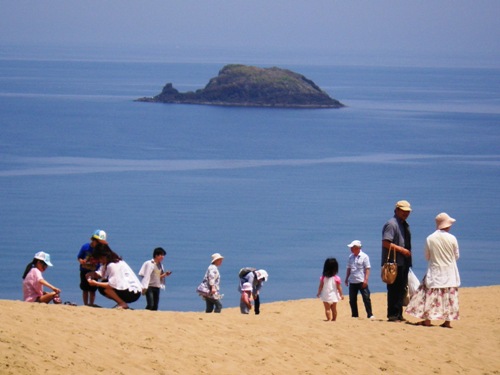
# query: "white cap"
356, 243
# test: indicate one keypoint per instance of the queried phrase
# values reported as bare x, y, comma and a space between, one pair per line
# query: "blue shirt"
85, 253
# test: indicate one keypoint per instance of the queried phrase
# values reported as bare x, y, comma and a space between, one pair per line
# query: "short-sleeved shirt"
358, 266
32, 288
394, 231
120, 276
85, 253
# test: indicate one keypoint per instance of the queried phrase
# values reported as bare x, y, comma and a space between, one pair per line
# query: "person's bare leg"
334, 312
328, 313
111, 294
47, 297
85, 297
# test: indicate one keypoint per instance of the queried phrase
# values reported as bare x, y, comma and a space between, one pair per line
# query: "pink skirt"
434, 304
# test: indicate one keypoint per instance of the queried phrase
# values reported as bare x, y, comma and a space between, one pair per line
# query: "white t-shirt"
120, 276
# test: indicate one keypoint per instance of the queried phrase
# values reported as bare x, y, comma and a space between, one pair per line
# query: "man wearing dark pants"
358, 272
396, 236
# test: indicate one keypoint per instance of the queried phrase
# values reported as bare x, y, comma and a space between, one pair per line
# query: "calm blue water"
270, 188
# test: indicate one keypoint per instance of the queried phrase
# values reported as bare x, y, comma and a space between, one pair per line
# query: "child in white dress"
330, 288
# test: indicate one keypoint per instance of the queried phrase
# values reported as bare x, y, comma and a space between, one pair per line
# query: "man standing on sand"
357, 274
396, 236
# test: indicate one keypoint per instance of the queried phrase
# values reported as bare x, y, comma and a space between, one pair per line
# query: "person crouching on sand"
119, 283
34, 282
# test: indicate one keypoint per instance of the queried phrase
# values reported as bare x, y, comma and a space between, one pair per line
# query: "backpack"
245, 271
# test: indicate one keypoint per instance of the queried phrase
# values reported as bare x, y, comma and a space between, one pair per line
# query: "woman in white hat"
209, 287
33, 281
437, 297
256, 278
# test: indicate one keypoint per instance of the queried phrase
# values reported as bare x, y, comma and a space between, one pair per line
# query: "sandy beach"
289, 337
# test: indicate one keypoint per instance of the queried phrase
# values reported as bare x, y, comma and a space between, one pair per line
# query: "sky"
425, 27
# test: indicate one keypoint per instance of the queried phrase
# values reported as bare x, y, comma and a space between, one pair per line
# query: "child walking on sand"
330, 288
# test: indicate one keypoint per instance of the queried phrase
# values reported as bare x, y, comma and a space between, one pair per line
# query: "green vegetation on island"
250, 86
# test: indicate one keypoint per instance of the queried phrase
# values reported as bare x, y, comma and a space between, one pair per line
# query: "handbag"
413, 283
390, 268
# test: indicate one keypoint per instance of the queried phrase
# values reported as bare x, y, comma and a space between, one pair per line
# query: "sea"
277, 189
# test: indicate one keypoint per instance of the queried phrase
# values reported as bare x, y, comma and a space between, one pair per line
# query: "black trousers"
152, 298
353, 299
396, 293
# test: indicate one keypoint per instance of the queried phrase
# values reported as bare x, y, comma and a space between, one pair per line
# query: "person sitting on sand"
119, 283
33, 281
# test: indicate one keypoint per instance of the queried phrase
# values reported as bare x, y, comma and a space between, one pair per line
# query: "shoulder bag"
390, 268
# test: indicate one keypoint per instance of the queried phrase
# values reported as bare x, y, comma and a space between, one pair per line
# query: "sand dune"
287, 338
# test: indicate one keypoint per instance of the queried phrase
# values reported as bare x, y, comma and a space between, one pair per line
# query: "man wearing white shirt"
358, 272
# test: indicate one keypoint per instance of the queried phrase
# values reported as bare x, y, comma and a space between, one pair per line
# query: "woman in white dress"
437, 296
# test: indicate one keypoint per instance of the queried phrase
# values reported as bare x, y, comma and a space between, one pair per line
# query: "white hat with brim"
261, 274
443, 220
216, 256
44, 257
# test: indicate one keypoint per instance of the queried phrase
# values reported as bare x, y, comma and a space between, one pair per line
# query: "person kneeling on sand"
119, 283
33, 281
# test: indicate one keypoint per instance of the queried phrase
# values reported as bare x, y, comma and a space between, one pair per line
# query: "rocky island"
250, 86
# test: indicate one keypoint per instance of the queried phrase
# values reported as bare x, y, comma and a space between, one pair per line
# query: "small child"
330, 288
33, 281
246, 298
